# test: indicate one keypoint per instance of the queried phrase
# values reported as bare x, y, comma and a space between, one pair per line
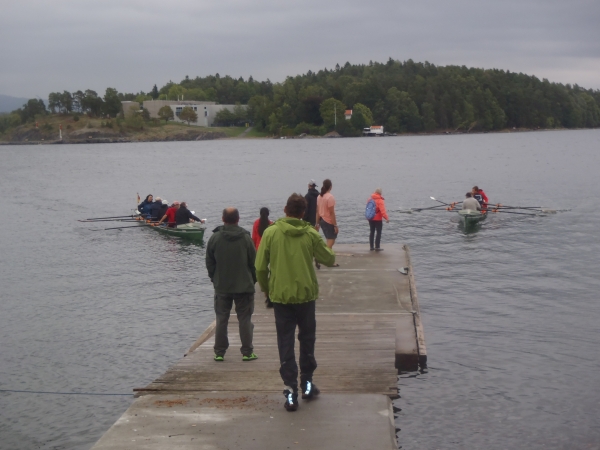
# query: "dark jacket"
144, 207
183, 215
155, 210
230, 256
310, 215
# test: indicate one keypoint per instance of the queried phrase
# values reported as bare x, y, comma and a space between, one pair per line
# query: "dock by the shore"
368, 329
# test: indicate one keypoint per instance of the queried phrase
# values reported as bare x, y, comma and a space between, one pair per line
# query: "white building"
206, 110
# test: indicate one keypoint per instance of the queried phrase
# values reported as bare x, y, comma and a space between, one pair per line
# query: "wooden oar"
113, 217
109, 220
131, 226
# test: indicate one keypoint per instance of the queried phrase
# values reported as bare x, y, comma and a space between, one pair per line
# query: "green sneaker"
249, 357
219, 358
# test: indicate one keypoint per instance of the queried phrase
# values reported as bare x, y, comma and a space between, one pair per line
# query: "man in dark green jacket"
230, 256
284, 270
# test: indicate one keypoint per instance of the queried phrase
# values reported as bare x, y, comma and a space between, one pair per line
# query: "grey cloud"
50, 46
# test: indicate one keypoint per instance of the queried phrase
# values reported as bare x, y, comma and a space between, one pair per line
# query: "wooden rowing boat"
471, 217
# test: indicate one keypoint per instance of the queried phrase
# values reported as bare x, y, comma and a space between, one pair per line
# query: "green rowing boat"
471, 217
190, 231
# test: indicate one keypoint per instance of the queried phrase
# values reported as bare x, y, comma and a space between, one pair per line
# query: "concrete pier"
368, 329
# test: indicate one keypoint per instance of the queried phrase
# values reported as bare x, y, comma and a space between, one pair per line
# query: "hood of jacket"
292, 226
376, 196
231, 232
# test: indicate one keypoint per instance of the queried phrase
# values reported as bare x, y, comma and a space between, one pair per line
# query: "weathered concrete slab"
368, 328
253, 422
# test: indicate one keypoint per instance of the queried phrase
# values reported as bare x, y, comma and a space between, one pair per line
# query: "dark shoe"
378, 249
268, 302
309, 390
291, 400
371, 249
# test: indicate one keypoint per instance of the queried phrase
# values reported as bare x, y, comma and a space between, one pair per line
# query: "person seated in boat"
471, 203
144, 207
184, 215
156, 209
170, 215
161, 210
480, 196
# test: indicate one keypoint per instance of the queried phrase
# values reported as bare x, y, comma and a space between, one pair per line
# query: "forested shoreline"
402, 96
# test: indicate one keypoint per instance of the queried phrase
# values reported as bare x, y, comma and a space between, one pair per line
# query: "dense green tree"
332, 112
112, 103
154, 92
166, 113
365, 112
188, 114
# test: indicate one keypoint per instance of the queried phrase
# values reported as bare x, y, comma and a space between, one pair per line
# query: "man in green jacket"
284, 270
230, 256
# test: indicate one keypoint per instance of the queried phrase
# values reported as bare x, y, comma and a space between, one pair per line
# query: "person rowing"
480, 196
156, 210
184, 215
471, 203
170, 215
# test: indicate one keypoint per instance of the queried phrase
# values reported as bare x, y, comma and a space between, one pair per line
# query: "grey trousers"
244, 307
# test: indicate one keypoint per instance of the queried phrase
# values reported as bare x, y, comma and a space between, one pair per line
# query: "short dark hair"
231, 216
296, 205
468, 194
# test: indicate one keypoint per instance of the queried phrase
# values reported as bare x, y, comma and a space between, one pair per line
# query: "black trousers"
287, 317
375, 225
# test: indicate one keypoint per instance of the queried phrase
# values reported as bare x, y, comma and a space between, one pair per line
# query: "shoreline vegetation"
407, 98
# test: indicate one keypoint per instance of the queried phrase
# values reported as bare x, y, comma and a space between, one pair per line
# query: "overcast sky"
130, 45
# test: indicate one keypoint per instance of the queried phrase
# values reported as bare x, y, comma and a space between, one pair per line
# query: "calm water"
511, 311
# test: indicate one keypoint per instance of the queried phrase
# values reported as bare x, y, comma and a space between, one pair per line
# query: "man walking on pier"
230, 256
284, 270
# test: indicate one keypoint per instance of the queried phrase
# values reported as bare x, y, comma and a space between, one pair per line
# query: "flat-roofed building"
206, 110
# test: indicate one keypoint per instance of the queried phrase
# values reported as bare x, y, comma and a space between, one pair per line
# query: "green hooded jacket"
284, 263
230, 256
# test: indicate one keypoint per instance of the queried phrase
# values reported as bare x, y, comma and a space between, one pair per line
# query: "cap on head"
165, 202
312, 183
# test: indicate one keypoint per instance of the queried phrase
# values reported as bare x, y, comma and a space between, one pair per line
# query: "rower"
156, 209
184, 215
471, 203
480, 196
170, 215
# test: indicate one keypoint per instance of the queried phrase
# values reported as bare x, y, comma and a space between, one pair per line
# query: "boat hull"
190, 232
471, 217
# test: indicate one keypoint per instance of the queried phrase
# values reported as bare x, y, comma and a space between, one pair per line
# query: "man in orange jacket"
480, 196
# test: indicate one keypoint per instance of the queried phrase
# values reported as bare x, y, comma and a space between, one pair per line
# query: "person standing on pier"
376, 221
310, 215
284, 270
326, 218
230, 256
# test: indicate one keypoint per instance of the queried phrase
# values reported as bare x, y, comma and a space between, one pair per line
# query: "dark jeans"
287, 316
376, 225
244, 307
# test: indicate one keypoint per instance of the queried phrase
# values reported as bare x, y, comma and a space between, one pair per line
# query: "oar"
534, 208
131, 226
515, 212
113, 217
109, 220
426, 209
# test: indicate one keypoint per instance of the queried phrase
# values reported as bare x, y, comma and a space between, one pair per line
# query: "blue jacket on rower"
144, 207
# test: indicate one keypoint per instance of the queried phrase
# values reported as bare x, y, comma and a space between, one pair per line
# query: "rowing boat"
190, 231
471, 217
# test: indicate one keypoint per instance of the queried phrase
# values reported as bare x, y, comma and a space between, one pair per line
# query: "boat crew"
480, 196
155, 210
184, 215
471, 203
144, 207
170, 215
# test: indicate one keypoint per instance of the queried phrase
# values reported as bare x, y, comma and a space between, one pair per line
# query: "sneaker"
378, 249
219, 358
249, 357
291, 400
309, 390
372, 249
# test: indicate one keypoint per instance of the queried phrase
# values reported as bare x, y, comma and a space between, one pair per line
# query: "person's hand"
317, 226
387, 220
336, 228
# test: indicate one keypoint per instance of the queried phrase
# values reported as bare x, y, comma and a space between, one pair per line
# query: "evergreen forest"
403, 96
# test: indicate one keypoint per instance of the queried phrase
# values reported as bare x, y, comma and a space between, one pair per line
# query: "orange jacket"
256, 238
380, 212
